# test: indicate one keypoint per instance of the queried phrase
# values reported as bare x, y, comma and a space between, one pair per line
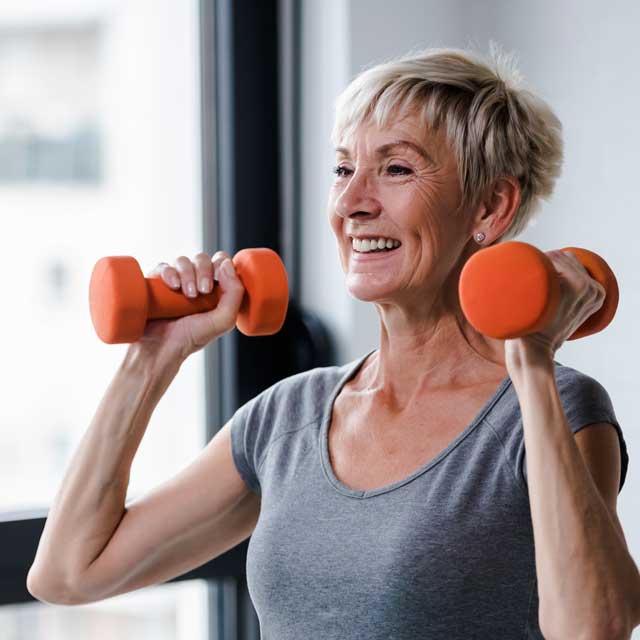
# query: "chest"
368, 449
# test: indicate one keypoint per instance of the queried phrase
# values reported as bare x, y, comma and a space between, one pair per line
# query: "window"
130, 77
100, 154
50, 82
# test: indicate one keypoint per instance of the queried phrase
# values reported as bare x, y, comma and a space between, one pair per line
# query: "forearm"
582, 564
91, 499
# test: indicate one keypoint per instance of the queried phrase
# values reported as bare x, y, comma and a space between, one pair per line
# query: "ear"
498, 207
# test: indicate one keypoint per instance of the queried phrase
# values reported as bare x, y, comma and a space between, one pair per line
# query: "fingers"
186, 273
586, 286
216, 261
203, 272
191, 277
167, 273
156, 270
596, 288
226, 312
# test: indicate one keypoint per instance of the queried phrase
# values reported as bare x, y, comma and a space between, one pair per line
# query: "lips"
373, 255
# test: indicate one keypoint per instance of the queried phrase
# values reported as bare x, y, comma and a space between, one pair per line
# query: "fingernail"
205, 285
191, 289
175, 282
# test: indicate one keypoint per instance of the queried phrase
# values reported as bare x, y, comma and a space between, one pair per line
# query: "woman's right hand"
181, 337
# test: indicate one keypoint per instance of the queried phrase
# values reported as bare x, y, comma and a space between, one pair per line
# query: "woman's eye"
339, 171
403, 170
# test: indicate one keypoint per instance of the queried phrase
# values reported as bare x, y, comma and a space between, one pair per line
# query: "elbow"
48, 593
34, 586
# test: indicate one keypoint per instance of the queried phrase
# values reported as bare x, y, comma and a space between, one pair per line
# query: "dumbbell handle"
166, 303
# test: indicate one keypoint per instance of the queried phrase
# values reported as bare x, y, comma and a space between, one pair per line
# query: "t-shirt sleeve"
586, 401
249, 439
265, 418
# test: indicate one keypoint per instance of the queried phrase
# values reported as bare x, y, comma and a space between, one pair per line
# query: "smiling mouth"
364, 246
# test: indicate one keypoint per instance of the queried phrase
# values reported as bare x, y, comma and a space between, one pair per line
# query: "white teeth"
366, 245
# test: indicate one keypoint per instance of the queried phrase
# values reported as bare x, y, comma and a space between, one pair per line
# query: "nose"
358, 196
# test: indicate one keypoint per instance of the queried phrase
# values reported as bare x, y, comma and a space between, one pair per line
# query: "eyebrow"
386, 149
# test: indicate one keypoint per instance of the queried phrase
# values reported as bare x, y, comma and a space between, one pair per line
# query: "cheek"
429, 195
415, 198
431, 208
335, 222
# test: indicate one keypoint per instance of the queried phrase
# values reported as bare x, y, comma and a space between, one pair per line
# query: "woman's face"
399, 193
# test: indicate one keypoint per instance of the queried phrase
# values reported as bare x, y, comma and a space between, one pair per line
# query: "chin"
368, 291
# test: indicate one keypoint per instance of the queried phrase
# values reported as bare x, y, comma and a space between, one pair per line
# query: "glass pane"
176, 611
99, 156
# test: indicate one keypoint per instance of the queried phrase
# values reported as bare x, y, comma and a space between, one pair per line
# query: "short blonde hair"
494, 126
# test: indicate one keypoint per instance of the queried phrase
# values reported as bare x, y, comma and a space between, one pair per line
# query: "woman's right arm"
92, 545
90, 502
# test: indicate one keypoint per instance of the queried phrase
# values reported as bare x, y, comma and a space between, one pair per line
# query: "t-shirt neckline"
367, 493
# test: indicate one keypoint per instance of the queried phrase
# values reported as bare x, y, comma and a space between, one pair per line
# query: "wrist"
144, 360
521, 356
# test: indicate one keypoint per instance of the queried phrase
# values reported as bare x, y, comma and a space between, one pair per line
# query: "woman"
390, 497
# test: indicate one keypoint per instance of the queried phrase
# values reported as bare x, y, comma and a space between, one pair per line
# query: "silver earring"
479, 237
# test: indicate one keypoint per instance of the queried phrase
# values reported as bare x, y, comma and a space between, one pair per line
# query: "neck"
444, 354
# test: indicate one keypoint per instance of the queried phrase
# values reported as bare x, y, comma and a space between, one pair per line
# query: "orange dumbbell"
512, 289
122, 300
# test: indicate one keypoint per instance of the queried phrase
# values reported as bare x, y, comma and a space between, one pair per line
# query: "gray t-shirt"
445, 553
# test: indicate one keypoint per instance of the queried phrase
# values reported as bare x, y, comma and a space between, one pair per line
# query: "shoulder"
568, 377
582, 397
587, 402
585, 399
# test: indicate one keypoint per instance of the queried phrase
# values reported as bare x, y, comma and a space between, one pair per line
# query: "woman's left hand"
580, 297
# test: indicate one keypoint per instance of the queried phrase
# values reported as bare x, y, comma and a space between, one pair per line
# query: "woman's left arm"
588, 583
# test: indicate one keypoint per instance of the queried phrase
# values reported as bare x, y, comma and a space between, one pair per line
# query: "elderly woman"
390, 497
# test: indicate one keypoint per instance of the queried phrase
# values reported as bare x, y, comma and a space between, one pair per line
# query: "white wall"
579, 57
325, 73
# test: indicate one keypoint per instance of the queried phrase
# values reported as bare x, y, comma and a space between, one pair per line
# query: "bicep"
195, 516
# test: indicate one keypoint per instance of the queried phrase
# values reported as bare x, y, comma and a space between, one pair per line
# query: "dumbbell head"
507, 289
512, 289
118, 299
264, 306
